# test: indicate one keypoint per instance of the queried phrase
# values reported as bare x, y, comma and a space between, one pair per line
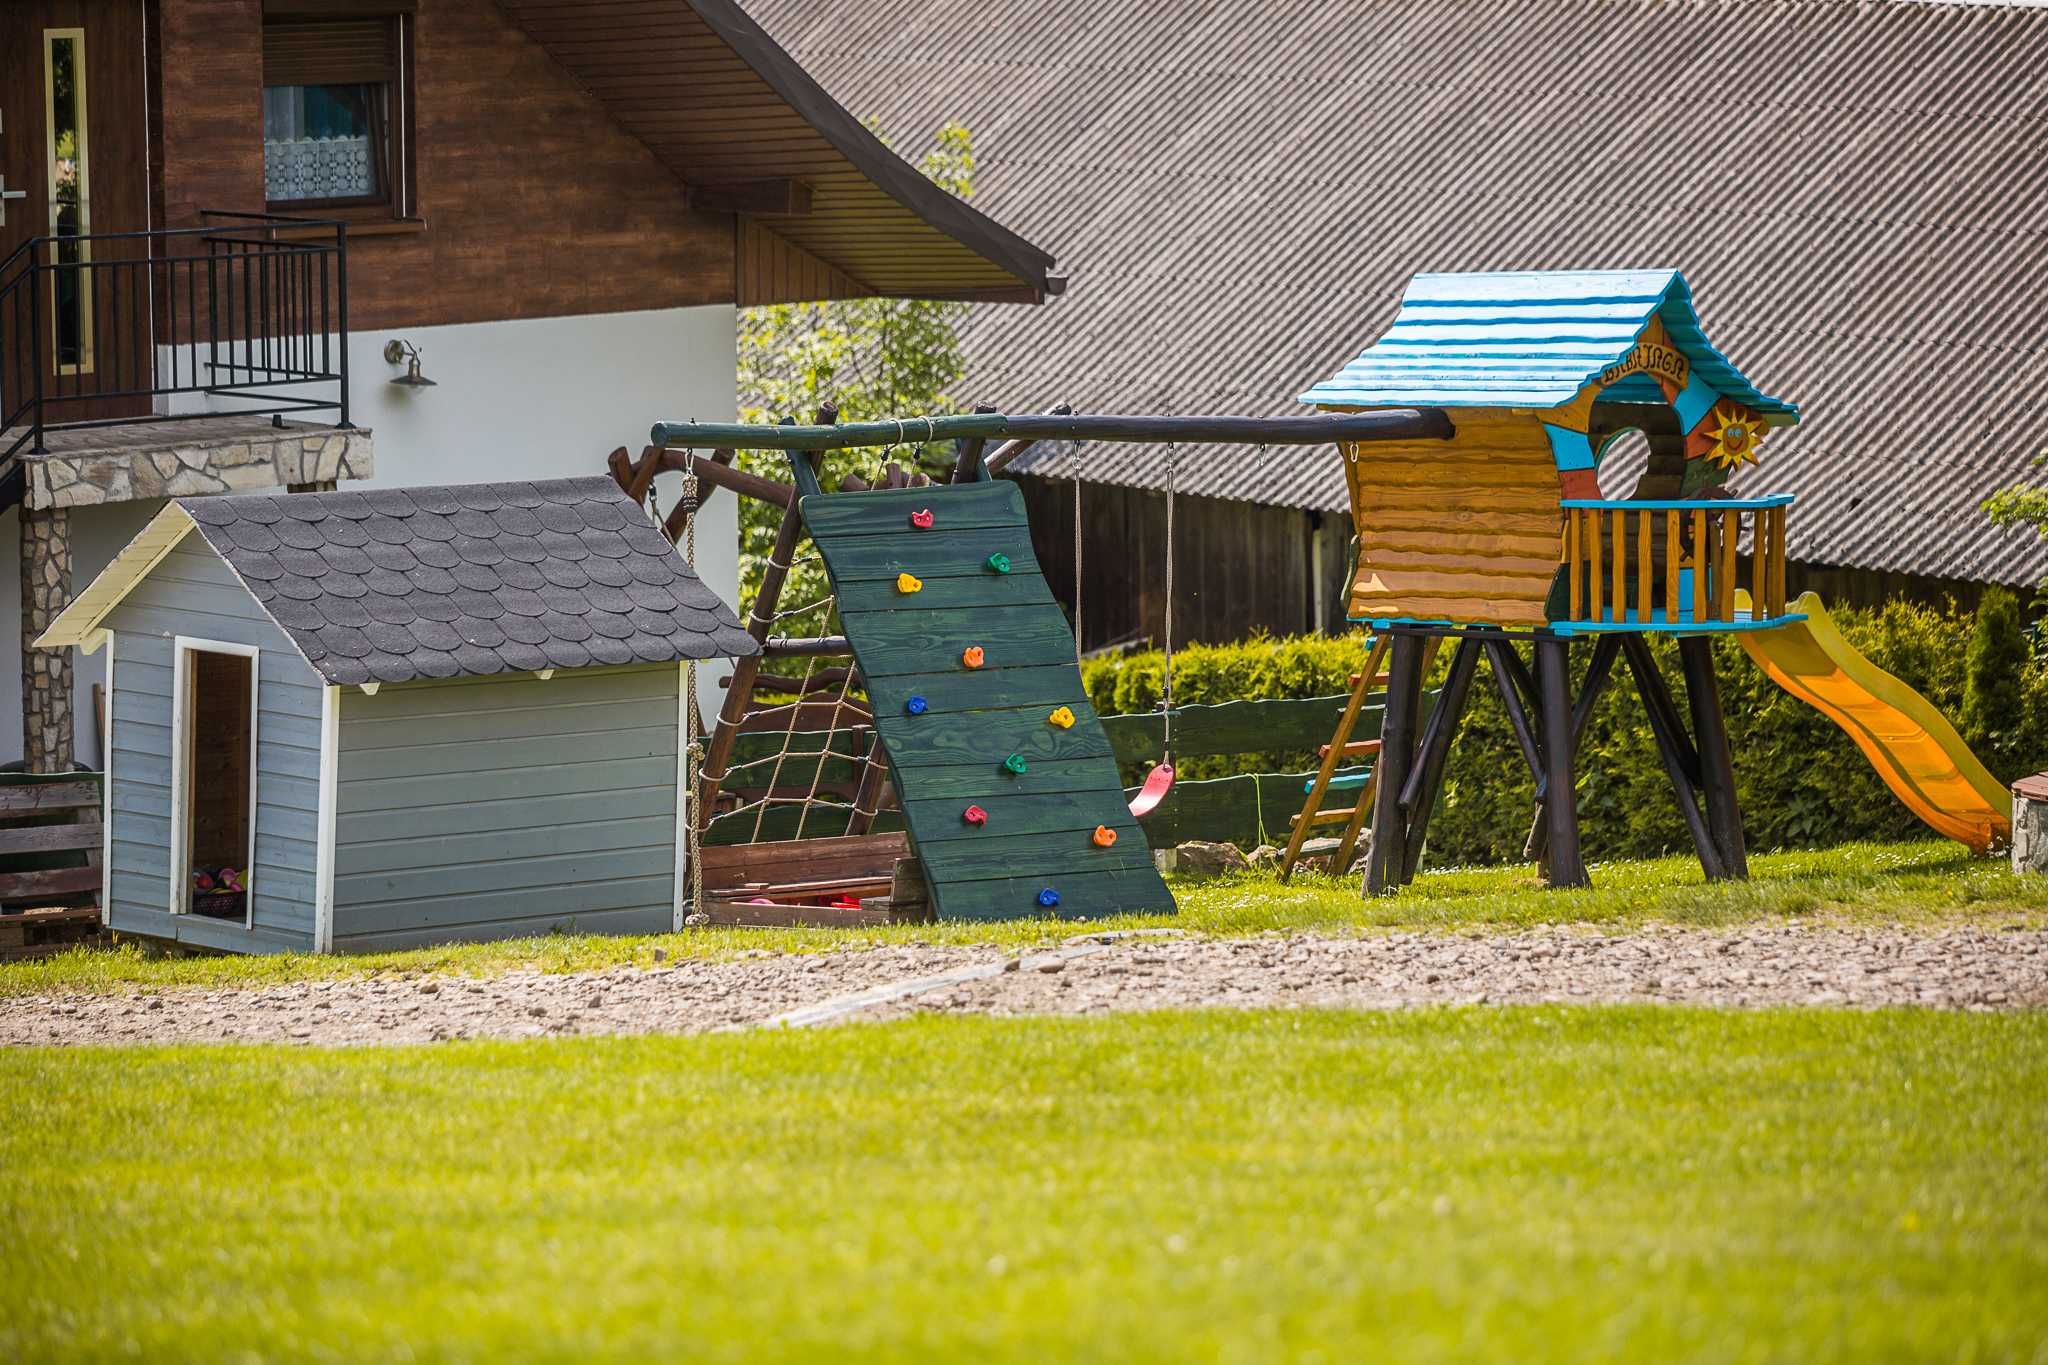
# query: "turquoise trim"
1570, 449
1679, 504
1695, 401
1683, 626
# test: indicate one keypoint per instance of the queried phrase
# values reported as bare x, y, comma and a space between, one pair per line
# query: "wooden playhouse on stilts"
1499, 544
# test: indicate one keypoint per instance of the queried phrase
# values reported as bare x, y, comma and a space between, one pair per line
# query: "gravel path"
1769, 965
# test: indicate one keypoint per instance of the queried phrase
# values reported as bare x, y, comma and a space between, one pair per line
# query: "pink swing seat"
1158, 783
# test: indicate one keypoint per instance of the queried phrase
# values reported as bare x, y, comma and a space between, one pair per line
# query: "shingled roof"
1855, 192
395, 584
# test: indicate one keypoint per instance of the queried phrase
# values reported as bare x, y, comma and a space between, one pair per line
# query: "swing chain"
693, 914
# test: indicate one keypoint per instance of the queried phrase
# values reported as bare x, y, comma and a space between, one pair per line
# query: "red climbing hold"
974, 815
922, 518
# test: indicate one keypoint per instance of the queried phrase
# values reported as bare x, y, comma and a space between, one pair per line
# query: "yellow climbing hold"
905, 583
1064, 718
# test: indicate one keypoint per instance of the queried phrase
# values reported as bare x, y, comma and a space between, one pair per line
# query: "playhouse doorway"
213, 832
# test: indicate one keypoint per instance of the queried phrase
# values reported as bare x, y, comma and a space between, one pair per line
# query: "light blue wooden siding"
494, 807
193, 593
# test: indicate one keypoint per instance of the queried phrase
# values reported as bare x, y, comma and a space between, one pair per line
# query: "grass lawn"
1625, 1184
1926, 882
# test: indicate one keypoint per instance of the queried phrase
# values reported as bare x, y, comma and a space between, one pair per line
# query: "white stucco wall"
542, 398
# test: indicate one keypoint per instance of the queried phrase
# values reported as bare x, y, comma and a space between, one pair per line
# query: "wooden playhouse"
357, 720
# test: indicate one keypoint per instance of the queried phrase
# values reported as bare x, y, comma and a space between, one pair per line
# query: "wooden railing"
1673, 564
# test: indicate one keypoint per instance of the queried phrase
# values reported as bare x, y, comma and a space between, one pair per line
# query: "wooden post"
1681, 761
1536, 847
1561, 800
1385, 869
1425, 779
1717, 765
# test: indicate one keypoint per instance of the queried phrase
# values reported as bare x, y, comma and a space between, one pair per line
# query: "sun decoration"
1729, 437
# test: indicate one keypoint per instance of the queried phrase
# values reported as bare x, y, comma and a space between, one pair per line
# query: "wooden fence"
50, 848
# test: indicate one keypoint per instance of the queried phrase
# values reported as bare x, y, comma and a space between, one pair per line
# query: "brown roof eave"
901, 181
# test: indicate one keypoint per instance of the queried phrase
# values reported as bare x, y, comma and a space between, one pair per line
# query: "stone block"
2030, 824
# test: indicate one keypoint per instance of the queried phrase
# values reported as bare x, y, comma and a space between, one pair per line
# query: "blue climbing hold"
1048, 898
916, 706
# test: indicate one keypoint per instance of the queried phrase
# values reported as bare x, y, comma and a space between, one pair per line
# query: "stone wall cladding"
187, 464
45, 673
2030, 824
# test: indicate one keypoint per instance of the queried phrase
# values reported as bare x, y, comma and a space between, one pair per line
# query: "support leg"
1681, 763
1560, 794
1425, 779
1536, 849
1717, 765
46, 674
1386, 869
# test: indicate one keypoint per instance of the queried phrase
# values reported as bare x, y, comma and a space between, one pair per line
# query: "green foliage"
1802, 782
872, 358
2021, 505
1994, 693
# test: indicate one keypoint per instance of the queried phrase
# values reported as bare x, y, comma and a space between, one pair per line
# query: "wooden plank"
54, 881
1644, 578
1699, 564
1671, 564
1018, 811
31, 798
869, 855
991, 736
969, 780
1594, 538
1618, 526
839, 517
982, 589
931, 554
1083, 895
1574, 555
1047, 685
778, 828
899, 642
46, 838
1724, 581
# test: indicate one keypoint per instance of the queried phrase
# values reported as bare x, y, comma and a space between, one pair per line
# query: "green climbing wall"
951, 754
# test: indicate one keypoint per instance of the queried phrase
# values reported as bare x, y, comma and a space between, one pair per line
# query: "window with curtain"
332, 96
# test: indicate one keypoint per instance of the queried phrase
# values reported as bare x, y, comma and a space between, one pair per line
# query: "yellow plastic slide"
1913, 747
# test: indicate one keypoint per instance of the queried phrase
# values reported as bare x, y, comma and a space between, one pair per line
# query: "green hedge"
1802, 782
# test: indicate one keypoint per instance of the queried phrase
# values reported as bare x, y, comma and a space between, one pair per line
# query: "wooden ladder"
1334, 754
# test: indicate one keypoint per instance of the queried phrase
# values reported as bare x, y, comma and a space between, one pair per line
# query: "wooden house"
229, 229
355, 720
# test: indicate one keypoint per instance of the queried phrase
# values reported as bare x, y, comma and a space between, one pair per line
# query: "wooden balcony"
1673, 565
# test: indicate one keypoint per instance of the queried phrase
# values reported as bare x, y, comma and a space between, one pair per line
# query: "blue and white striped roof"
1531, 339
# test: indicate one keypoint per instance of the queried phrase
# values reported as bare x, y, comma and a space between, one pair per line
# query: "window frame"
183, 647
396, 200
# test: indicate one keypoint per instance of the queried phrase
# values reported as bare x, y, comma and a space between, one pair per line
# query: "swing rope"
1166, 697
1074, 464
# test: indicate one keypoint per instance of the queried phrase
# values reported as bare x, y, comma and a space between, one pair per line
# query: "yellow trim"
79, 623
51, 37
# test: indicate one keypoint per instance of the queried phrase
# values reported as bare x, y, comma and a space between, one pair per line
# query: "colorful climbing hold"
916, 706
1104, 836
971, 656
922, 518
905, 583
999, 562
1015, 763
974, 815
1048, 897
1064, 718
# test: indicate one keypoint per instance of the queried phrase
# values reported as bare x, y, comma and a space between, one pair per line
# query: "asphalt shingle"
397, 584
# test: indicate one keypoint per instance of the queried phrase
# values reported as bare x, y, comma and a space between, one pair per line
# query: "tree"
1994, 688
870, 358
2021, 505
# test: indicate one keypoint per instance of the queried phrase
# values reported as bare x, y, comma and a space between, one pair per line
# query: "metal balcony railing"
101, 329
1673, 565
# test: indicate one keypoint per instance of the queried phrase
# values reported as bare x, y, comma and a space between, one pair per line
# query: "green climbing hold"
1015, 763
1000, 562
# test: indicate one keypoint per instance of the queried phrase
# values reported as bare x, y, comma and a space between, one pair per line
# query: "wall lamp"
395, 351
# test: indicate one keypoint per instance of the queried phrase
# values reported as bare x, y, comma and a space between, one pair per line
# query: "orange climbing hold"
971, 656
1104, 836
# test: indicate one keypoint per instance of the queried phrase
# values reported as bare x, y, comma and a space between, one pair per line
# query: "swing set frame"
821, 880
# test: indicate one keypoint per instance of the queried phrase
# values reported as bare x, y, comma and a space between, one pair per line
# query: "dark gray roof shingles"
1855, 191
397, 584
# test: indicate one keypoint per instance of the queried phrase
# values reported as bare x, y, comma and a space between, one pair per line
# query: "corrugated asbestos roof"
1856, 192
1528, 339
396, 584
